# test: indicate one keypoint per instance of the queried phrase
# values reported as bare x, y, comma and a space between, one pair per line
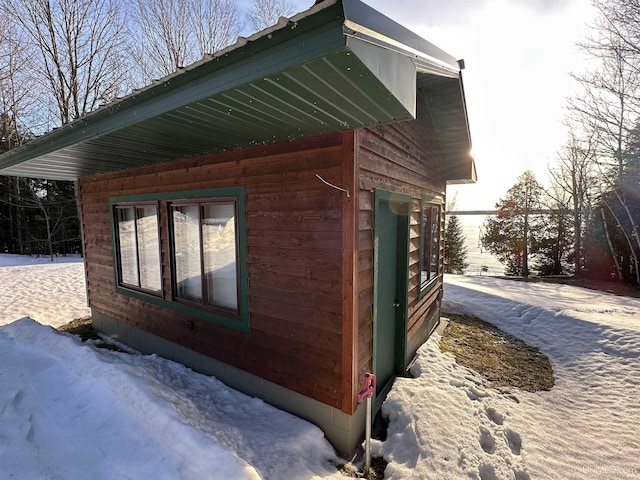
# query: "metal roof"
338, 65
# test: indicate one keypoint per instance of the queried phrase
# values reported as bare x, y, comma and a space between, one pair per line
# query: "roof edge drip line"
424, 63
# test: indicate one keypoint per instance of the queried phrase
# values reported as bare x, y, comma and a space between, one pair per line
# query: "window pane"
430, 242
186, 237
219, 243
127, 243
149, 248
435, 241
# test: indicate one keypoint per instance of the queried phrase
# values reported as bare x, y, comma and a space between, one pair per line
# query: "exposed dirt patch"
81, 327
376, 472
84, 329
503, 360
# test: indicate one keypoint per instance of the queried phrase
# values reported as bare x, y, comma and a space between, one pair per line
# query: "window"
205, 253
138, 247
430, 241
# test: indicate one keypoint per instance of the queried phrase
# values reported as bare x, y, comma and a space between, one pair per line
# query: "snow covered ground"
53, 293
68, 411
587, 426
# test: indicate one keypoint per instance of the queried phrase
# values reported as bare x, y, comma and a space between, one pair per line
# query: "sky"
518, 56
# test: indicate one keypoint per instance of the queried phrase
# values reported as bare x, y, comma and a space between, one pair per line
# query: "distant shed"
273, 214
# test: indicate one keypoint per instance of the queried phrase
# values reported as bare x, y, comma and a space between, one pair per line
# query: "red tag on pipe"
368, 387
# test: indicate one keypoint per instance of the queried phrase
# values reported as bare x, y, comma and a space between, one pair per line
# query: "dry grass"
84, 329
503, 360
376, 472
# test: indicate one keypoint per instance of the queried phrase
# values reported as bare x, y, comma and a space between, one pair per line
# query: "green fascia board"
396, 72
355, 98
362, 21
211, 77
310, 76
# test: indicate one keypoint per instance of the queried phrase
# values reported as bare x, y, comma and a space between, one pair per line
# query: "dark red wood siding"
295, 256
309, 252
402, 158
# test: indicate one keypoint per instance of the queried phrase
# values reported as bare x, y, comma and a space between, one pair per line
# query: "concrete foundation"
345, 432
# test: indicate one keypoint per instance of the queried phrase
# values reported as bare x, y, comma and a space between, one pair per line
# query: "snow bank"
68, 411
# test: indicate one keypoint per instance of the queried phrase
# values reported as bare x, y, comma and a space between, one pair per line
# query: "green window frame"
430, 234
137, 247
229, 308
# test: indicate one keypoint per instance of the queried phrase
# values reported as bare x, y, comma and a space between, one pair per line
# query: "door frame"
403, 203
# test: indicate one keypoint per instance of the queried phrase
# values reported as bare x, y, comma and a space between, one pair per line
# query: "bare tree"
619, 19
608, 111
164, 36
78, 50
174, 33
575, 176
17, 85
265, 13
215, 25
607, 108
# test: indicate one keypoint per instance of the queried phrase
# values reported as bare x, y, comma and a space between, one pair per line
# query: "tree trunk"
577, 245
611, 250
49, 237
629, 242
19, 214
634, 226
525, 246
557, 258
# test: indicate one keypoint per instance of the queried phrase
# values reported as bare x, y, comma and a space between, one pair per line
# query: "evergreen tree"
553, 243
511, 235
455, 250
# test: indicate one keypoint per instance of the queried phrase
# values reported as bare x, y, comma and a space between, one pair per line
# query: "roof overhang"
338, 65
446, 104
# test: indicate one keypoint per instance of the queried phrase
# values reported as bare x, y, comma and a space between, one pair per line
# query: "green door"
390, 289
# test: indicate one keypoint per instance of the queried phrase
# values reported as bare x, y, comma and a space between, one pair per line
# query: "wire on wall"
346, 190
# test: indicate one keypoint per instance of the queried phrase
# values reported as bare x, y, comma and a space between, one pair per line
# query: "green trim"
432, 199
402, 277
339, 65
239, 323
262, 57
183, 195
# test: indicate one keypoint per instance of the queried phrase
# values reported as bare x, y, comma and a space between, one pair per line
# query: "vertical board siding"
294, 259
403, 158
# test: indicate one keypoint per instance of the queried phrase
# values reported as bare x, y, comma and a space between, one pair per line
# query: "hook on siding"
346, 190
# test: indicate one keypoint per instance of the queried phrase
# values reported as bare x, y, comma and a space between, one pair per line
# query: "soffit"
335, 67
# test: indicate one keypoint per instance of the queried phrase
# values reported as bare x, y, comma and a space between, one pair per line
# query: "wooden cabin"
273, 215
